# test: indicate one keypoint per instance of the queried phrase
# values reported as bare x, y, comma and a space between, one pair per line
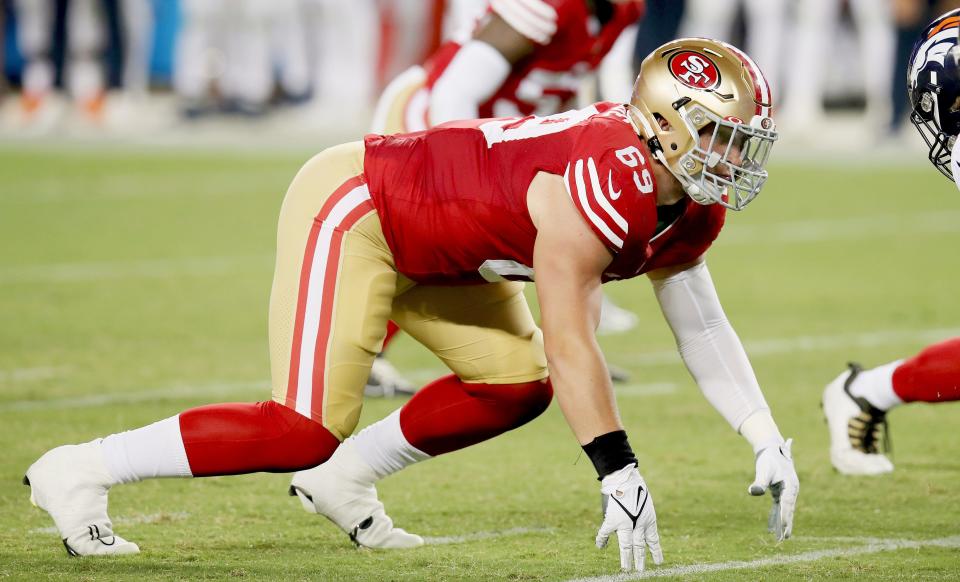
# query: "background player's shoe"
342, 491
386, 382
615, 319
855, 427
70, 483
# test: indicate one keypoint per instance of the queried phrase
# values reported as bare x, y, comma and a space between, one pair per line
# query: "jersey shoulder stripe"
609, 224
534, 19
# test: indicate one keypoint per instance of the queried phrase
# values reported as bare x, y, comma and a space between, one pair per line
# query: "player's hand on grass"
775, 471
628, 512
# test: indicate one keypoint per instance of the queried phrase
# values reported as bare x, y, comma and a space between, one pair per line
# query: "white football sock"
155, 450
383, 446
876, 386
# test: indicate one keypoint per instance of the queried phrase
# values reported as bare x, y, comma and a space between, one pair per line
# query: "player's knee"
520, 402
305, 442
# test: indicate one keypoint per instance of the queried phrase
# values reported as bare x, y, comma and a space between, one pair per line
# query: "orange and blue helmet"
933, 84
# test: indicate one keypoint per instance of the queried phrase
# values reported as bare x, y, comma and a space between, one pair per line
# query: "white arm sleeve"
713, 353
472, 77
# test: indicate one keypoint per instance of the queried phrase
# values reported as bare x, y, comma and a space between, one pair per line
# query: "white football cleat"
854, 426
70, 483
615, 319
342, 490
386, 382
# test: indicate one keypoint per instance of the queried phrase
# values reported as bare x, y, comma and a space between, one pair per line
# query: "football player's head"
933, 83
704, 108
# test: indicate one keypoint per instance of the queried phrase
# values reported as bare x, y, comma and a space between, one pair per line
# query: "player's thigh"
483, 333
332, 291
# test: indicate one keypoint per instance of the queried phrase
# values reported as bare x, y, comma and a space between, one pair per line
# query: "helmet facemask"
729, 167
939, 144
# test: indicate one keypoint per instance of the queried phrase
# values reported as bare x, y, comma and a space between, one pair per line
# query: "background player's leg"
933, 375
857, 401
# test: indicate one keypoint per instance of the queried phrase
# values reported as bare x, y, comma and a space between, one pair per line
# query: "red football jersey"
452, 200
569, 41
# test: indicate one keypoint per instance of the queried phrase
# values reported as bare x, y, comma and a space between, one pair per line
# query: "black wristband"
610, 452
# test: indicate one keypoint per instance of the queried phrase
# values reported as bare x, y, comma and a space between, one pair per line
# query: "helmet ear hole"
663, 123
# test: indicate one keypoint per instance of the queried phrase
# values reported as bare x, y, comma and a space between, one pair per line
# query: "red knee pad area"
933, 375
248, 437
449, 414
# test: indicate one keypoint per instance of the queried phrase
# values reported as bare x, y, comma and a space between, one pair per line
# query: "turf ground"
134, 285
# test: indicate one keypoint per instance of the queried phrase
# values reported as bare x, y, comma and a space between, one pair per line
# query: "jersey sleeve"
538, 20
605, 177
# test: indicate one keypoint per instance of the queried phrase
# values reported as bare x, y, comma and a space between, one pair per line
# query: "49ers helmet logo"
695, 70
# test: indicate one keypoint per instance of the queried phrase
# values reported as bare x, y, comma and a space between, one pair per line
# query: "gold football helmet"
696, 85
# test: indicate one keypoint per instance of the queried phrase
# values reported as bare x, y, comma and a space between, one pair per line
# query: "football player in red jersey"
435, 229
522, 57
857, 401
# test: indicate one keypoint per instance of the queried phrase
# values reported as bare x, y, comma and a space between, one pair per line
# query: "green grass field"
134, 285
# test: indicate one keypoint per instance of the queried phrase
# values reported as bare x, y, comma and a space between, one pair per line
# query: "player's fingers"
639, 548
773, 520
625, 540
788, 505
653, 540
603, 535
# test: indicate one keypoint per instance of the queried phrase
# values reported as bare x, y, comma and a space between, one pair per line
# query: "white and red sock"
446, 415
219, 439
933, 375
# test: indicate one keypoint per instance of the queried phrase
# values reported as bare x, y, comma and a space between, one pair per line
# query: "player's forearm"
713, 353
582, 386
471, 78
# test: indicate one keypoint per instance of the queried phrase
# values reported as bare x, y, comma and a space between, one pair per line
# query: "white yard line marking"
653, 389
125, 521
777, 346
484, 535
857, 228
873, 547
168, 393
145, 268
30, 374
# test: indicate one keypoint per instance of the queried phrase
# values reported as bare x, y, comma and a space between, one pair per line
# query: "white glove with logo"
628, 510
775, 471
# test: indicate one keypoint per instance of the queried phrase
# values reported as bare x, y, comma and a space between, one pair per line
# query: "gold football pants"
336, 286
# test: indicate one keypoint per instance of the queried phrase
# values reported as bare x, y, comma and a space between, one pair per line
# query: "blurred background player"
523, 57
84, 74
857, 401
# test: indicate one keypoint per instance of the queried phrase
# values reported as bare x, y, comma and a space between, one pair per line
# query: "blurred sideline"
844, 137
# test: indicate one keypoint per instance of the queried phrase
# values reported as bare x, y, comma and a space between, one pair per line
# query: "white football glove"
628, 510
775, 471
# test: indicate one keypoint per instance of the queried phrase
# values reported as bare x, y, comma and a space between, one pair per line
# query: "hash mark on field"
778, 346
484, 535
872, 547
124, 521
